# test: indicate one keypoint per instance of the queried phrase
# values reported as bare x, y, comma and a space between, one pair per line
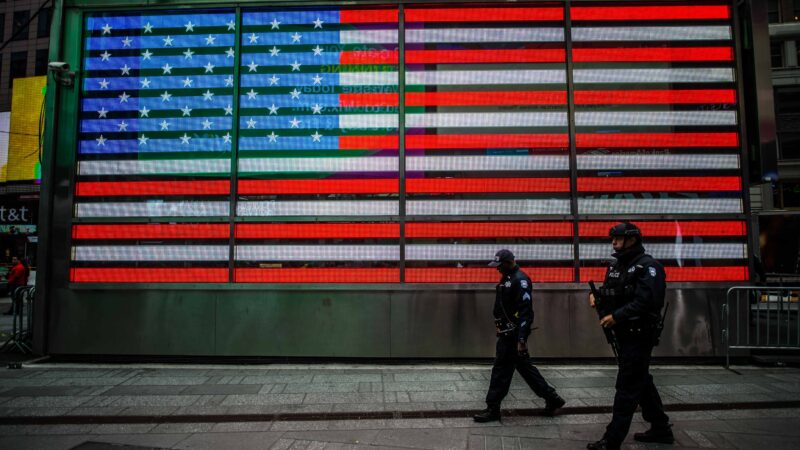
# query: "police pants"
506, 361
634, 387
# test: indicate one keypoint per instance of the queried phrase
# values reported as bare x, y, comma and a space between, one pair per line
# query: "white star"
253, 38
187, 82
316, 109
318, 23
228, 110
164, 125
275, 24
209, 67
102, 113
274, 51
126, 42
145, 83
167, 41
295, 123
101, 141
317, 50
231, 25
252, 66
147, 54
148, 28
296, 37
185, 139
189, 26
166, 96
273, 137
143, 140
125, 70
317, 79
251, 123
144, 112
295, 94
210, 40
167, 68
188, 54
229, 53
123, 98
296, 66
123, 126
252, 94
273, 109
105, 55
316, 137
107, 29
104, 84
186, 111
226, 139
206, 124
273, 80
229, 81
207, 95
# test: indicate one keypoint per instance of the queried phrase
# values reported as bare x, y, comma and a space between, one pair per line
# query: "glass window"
40, 68
773, 11
2, 27
43, 27
20, 21
19, 66
776, 54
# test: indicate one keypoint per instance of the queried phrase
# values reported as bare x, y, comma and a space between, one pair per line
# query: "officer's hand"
607, 321
591, 299
522, 348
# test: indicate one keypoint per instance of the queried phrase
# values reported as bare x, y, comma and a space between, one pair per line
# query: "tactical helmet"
625, 229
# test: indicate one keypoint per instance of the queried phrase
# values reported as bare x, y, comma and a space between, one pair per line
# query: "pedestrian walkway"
283, 406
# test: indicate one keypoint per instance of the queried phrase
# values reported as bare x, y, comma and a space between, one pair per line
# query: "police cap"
625, 229
502, 256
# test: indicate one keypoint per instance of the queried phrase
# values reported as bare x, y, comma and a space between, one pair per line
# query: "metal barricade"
761, 317
21, 320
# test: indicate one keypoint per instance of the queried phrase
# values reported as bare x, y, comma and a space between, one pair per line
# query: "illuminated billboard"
324, 145
20, 151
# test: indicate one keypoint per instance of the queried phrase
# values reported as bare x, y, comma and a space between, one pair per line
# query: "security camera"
61, 72
58, 66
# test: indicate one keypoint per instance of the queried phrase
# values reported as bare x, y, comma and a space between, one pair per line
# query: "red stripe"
353, 100
368, 186
317, 275
486, 98
652, 54
464, 141
662, 12
483, 14
485, 56
481, 185
317, 230
487, 275
659, 184
650, 140
390, 142
693, 96
148, 275
131, 188
488, 229
368, 15
669, 229
368, 57
152, 231
677, 274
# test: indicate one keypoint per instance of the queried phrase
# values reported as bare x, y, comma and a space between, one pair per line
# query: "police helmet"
625, 229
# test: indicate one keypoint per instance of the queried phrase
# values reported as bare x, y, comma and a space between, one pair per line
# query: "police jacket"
513, 302
635, 285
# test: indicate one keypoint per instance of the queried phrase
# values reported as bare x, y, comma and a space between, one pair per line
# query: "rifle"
660, 326
601, 312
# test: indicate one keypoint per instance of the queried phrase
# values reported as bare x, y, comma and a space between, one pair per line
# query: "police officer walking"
633, 290
513, 313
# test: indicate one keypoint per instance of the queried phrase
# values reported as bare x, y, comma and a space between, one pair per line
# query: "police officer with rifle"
629, 303
513, 316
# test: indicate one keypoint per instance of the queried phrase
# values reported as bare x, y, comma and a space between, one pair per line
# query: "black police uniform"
635, 285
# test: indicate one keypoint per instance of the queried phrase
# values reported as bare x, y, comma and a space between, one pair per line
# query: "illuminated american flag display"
319, 172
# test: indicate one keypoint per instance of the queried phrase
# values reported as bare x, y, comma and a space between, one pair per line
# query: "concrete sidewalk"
178, 406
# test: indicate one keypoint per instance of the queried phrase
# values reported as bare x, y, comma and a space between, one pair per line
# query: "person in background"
17, 277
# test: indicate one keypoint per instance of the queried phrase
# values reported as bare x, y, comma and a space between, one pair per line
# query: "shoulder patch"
524, 284
652, 271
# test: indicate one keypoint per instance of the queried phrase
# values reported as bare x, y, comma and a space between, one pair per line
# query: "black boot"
490, 414
603, 444
657, 433
553, 404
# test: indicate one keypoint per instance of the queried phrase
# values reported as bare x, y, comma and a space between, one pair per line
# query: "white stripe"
660, 206
710, 75
368, 36
673, 251
487, 163
317, 253
464, 120
486, 207
152, 209
657, 162
655, 118
713, 33
318, 208
493, 77
345, 164
363, 121
154, 167
368, 78
450, 252
148, 253
484, 35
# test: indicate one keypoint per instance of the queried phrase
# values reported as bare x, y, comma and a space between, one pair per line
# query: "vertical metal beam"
401, 90
573, 151
234, 175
